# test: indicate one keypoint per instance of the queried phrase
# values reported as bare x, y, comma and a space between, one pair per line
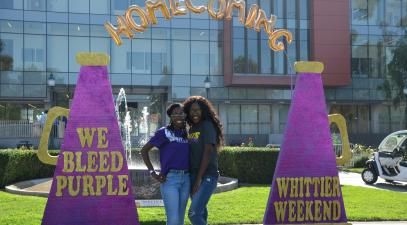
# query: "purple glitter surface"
92, 107
306, 151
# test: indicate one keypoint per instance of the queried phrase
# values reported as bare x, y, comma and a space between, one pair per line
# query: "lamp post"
51, 85
207, 86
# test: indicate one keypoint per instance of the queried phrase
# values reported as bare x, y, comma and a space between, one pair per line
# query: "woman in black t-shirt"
205, 137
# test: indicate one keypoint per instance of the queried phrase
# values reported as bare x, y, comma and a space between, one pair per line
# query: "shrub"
360, 163
19, 165
249, 165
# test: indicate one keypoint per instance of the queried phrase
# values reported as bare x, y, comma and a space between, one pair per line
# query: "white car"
388, 162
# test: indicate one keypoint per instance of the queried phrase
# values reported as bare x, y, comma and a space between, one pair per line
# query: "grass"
242, 206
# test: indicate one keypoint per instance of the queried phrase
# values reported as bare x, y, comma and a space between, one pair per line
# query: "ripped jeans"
198, 213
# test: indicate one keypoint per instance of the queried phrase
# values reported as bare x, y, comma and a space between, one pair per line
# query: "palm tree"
393, 87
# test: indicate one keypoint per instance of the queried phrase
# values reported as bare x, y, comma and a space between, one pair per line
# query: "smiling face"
178, 117
195, 113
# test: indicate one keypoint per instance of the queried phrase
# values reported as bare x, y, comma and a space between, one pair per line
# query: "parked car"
388, 162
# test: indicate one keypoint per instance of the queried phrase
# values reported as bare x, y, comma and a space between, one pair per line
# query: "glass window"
12, 51
98, 31
249, 119
181, 92
11, 4
79, 6
34, 52
76, 44
237, 93
200, 57
11, 90
57, 53
10, 26
264, 119
376, 12
279, 8
57, 5
282, 116
233, 119
100, 45
100, 6
180, 34
181, 80
291, 9
120, 57
265, 58
265, 5
181, 57
122, 79
34, 5
404, 13
141, 56
34, 28
199, 35
216, 58
57, 28
11, 77
360, 61
359, 12
161, 57
161, 33
304, 6
376, 60
78, 30
35, 91
393, 12
239, 60
279, 62
120, 6
34, 78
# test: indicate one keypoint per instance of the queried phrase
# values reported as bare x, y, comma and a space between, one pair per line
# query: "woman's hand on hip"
159, 177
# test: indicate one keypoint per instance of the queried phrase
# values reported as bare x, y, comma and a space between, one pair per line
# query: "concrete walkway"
355, 179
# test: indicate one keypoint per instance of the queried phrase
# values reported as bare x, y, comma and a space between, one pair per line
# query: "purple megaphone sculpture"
91, 184
306, 188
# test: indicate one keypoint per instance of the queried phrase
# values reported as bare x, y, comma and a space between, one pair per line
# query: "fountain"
144, 186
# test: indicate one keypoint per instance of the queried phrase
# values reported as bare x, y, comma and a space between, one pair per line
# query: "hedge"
20, 165
248, 164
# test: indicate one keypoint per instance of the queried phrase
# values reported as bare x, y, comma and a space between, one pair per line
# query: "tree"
393, 86
6, 62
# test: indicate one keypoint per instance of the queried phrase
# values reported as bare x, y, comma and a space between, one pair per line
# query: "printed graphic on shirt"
194, 137
171, 136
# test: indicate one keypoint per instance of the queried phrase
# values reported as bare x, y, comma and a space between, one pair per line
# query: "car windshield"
392, 142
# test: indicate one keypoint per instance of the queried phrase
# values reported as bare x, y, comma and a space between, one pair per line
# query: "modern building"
249, 84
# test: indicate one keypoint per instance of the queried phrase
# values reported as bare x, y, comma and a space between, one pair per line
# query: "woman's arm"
146, 158
202, 168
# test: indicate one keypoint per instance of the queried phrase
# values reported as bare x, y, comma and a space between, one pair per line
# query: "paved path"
354, 179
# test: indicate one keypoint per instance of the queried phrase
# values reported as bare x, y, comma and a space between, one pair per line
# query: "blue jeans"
175, 192
198, 213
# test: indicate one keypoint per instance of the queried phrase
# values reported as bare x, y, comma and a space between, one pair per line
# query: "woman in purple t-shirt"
174, 160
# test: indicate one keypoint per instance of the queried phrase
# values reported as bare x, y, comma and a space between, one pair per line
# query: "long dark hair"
208, 113
171, 126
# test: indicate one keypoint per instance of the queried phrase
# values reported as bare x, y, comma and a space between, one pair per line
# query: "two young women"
189, 161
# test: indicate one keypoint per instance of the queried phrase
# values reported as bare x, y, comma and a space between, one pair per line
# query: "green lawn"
242, 206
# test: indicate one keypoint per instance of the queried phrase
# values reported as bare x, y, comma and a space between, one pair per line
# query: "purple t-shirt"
174, 149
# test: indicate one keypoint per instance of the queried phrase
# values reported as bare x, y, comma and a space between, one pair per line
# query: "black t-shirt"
199, 135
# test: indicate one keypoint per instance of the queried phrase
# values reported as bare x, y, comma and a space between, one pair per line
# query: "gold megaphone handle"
42, 153
340, 121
